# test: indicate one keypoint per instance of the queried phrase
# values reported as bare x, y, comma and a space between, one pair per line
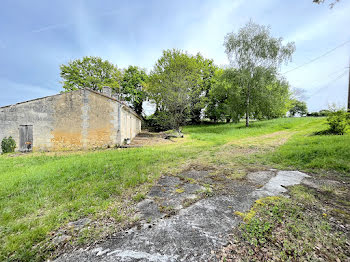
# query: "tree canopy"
255, 54
227, 96
185, 88
298, 107
133, 84
178, 85
91, 72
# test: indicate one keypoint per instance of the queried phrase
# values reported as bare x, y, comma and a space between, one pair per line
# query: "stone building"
78, 119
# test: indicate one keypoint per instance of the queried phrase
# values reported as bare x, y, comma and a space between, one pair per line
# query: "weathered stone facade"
79, 119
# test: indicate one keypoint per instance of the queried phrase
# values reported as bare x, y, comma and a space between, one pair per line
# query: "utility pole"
349, 90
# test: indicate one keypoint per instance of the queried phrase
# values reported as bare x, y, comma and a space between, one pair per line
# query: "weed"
180, 190
139, 197
207, 191
287, 229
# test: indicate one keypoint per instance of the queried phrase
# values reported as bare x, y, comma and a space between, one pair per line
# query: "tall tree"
91, 72
271, 95
133, 87
251, 50
225, 96
298, 107
199, 92
171, 85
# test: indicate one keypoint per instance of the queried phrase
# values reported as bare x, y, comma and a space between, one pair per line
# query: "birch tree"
250, 50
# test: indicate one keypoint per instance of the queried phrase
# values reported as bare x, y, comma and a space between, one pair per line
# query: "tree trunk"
247, 109
138, 108
247, 118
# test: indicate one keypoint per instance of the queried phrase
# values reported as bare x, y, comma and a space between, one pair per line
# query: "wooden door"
25, 138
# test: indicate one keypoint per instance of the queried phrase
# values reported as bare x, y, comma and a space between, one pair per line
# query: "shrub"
338, 122
158, 122
8, 145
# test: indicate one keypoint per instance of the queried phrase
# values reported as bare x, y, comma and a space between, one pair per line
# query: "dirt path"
187, 217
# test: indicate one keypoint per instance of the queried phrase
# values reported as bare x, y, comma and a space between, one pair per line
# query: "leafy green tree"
298, 107
271, 95
172, 85
216, 108
91, 72
134, 87
253, 50
200, 91
227, 97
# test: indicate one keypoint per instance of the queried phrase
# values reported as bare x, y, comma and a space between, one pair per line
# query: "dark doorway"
25, 138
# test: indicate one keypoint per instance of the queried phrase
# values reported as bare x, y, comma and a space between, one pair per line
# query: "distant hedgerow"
8, 145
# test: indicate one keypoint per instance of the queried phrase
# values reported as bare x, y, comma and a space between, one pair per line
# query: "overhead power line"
316, 58
329, 83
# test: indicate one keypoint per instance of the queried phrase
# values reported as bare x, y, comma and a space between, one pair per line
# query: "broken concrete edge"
130, 244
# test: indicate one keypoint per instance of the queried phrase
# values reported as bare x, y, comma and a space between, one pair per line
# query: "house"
79, 119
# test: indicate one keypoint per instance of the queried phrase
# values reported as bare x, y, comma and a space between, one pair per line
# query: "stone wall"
76, 120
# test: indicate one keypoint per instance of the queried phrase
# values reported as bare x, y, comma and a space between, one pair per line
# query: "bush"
8, 145
338, 122
158, 122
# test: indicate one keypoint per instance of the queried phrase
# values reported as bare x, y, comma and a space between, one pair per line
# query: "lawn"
41, 192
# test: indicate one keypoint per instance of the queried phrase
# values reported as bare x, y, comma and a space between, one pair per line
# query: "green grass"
315, 153
41, 193
220, 134
38, 194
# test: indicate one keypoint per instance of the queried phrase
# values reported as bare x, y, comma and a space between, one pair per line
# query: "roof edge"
35, 99
85, 88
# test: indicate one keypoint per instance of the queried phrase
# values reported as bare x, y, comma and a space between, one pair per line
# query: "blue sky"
37, 36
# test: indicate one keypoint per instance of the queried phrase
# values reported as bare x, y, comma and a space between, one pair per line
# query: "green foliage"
8, 145
257, 56
271, 96
178, 85
256, 231
199, 93
338, 122
134, 87
227, 98
160, 121
298, 107
91, 72
284, 229
321, 113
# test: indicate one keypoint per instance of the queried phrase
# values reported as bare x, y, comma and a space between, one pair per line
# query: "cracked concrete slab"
193, 232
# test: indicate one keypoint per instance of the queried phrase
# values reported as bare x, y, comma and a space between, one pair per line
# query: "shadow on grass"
325, 133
